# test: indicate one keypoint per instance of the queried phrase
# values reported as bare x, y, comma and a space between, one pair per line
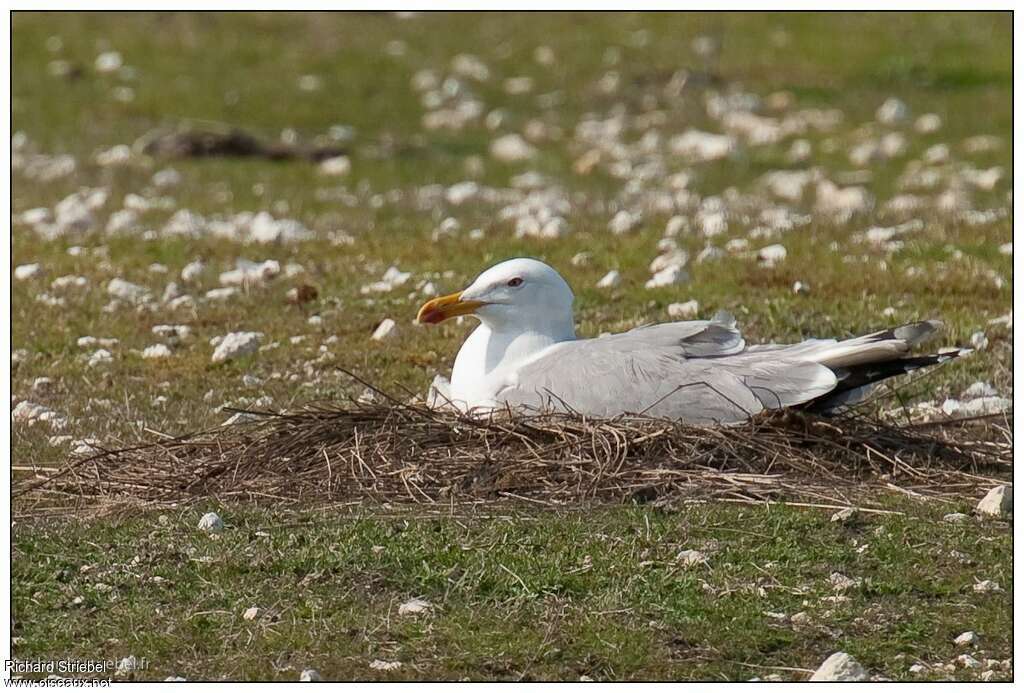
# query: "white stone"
251, 613
166, 178
221, 294
844, 515
462, 192
413, 607
156, 351
683, 311
801, 619
192, 271
109, 61
979, 389
771, 255
840, 667
842, 583
384, 665
998, 502
580, 259
624, 221
956, 518
127, 291
981, 406
700, 146
928, 123
518, 85
979, 340
512, 148
264, 228
892, 111
712, 222
128, 664
986, 586
917, 668
99, 357
86, 446
966, 639
180, 302
236, 344
676, 258
801, 288
23, 272
610, 280
667, 277
27, 412
211, 522
385, 330
309, 675
69, 282
468, 65
799, 152
709, 254
122, 220
117, 155
250, 273
336, 166
690, 557
842, 203
789, 185
968, 662
936, 154
174, 334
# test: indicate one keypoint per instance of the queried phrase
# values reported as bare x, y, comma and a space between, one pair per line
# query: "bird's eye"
515, 281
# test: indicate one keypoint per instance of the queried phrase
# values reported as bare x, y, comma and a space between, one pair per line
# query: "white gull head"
524, 307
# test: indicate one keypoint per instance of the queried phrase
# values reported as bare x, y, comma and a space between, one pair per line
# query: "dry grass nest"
396, 452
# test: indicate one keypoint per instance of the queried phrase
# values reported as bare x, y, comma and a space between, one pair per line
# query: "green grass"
330, 600
515, 595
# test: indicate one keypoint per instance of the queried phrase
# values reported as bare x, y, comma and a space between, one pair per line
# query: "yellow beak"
439, 309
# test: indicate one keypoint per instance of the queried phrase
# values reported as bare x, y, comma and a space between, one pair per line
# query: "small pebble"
986, 586
156, 351
998, 502
385, 330
235, 345
840, 667
844, 515
690, 558
610, 280
384, 665
413, 607
211, 522
967, 639
683, 311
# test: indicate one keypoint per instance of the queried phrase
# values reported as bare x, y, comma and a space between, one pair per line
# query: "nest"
395, 452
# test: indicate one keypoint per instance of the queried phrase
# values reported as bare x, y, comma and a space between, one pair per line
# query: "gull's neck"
493, 348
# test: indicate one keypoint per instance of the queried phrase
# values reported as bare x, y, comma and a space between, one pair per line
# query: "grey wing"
691, 371
650, 370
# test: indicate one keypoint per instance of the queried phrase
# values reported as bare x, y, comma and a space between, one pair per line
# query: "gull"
525, 354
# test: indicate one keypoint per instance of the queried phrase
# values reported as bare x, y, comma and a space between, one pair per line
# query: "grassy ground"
534, 617
515, 595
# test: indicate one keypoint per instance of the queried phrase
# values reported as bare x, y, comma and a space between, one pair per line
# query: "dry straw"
396, 452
